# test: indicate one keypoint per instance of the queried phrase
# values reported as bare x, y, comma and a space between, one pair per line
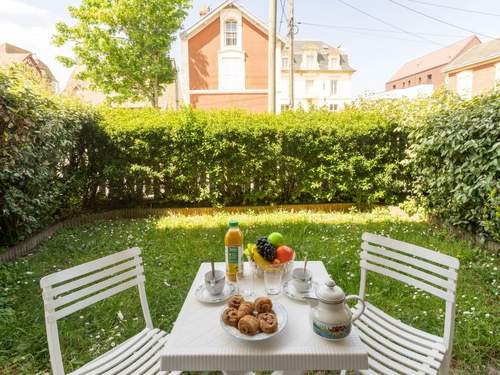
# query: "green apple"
276, 239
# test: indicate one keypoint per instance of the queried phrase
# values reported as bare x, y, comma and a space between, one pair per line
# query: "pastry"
248, 325
230, 316
246, 308
263, 304
268, 322
235, 301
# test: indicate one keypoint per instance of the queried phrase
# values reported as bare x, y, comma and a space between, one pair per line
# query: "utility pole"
271, 66
291, 27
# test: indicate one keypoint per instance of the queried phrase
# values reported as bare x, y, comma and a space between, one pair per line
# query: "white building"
322, 76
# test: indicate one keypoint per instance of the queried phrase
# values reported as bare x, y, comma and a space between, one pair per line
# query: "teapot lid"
330, 292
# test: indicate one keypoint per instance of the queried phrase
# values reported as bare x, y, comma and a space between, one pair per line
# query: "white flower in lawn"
120, 315
113, 344
81, 316
486, 315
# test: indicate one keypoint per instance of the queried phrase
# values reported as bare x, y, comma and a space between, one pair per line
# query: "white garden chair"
395, 347
73, 289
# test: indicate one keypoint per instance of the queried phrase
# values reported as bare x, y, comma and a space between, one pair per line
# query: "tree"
124, 45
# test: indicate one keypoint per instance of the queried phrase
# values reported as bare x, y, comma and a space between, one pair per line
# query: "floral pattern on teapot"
332, 331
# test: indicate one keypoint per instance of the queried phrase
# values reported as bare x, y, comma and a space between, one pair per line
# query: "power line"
438, 20
369, 34
379, 30
455, 8
388, 23
282, 4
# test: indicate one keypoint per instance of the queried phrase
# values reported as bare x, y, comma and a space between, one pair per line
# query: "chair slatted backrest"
425, 269
73, 289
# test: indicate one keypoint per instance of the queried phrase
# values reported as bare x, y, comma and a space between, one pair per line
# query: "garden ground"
173, 248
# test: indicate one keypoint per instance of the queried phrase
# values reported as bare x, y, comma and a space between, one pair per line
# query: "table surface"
198, 342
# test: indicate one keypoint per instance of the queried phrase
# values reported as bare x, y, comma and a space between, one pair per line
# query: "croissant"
230, 316
263, 304
235, 301
246, 308
268, 322
248, 325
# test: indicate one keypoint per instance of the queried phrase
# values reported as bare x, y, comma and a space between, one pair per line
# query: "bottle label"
233, 254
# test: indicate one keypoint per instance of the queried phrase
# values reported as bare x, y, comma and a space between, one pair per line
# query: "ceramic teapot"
330, 316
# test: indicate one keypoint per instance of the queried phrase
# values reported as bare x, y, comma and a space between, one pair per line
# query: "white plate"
202, 294
281, 315
293, 293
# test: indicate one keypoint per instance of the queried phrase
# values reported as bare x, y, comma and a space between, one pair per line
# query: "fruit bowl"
287, 268
270, 252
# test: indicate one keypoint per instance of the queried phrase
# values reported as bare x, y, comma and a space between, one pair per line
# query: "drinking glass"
245, 280
272, 280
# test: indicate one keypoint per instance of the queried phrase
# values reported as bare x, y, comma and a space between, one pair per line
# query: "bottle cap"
233, 223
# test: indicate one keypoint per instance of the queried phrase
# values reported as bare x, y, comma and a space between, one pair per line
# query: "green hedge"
238, 158
455, 154
58, 157
39, 159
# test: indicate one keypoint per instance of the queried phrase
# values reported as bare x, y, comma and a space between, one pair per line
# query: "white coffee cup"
215, 286
301, 280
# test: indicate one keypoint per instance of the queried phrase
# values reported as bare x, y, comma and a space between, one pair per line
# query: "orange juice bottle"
233, 243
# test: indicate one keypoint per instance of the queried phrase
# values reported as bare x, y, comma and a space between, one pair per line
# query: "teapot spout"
313, 301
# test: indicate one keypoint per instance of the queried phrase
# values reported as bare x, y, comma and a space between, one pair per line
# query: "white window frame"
233, 37
284, 63
334, 87
334, 62
306, 62
309, 89
228, 15
464, 84
231, 56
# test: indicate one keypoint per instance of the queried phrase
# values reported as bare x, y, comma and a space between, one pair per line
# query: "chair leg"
445, 365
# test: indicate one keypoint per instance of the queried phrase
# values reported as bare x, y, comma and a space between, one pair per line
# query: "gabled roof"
10, 54
213, 14
434, 59
477, 54
10, 48
323, 51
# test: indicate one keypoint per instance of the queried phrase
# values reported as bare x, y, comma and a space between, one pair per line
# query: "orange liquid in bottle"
233, 244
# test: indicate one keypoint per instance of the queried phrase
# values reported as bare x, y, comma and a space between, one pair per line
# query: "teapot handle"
353, 297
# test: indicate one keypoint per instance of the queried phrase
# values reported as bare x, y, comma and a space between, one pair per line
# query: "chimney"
204, 10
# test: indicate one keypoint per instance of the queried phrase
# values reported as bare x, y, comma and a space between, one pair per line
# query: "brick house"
224, 61
428, 69
475, 71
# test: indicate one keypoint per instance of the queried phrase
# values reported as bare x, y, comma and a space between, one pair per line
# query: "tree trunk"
154, 99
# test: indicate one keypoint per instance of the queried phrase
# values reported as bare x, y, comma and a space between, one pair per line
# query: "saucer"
293, 293
201, 293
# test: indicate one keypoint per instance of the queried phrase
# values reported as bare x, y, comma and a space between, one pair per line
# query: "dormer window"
334, 62
231, 33
309, 62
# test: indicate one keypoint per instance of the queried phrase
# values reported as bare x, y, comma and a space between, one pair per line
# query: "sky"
375, 54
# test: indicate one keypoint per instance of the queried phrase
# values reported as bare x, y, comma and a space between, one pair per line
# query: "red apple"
284, 253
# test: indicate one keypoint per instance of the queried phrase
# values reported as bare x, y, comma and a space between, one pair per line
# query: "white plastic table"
197, 341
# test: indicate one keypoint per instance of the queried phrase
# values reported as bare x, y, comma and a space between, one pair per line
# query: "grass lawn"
173, 248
